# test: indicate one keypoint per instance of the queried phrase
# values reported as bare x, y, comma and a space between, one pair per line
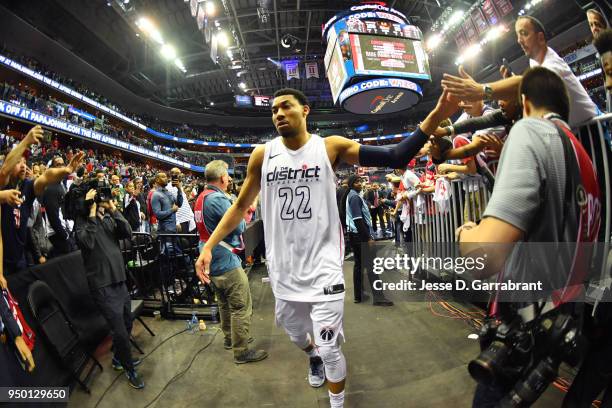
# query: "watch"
488, 92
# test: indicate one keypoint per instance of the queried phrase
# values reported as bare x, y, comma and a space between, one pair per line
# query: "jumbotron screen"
378, 55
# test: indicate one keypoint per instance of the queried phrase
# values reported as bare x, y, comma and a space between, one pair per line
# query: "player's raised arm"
399, 155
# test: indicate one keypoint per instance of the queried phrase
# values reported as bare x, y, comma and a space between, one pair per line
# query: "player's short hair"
538, 27
215, 170
545, 89
603, 42
299, 95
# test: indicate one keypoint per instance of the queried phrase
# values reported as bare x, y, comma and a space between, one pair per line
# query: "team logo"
326, 333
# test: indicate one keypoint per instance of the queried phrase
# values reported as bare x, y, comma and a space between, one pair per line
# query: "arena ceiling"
105, 34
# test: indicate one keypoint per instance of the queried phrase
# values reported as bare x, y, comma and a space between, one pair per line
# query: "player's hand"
203, 265
3, 282
492, 142
42, 260
25, 353
462, 87
447, 105
11, 197
440, 132
34, 136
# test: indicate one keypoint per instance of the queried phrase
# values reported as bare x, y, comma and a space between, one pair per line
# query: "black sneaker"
383, 302
227, 343
134, 379
250, 356
118, 367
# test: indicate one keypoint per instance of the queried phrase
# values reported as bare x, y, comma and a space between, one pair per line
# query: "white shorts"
323, 319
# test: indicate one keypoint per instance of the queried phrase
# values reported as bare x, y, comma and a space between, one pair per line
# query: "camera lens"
486, 366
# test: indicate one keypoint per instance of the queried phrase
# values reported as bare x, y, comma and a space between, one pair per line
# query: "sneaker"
118, 367
227, 343
134, 379
316, 372
250, 356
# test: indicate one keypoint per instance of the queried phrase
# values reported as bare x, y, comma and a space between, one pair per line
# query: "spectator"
597, 22
184, 215
164, 205
532, 39
58, 229
603, 43
16, 214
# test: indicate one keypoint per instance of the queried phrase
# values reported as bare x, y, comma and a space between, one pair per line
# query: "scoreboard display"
263, 101
379, 55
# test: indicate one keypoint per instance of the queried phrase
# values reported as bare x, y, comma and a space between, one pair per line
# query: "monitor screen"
378, 55
261, 100
243, 100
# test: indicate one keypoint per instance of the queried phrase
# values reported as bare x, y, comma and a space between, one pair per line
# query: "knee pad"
302, 341
334, 361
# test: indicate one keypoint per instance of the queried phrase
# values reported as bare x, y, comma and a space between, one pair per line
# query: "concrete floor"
401, 356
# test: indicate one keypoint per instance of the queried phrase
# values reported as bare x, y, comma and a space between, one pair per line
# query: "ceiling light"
145, 24
434, 41
242, 85
210, 8
168, 51
222, 39
212, 103
230, 54
180, 65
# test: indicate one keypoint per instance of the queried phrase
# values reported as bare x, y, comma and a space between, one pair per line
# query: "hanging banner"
504, 6
489, 11
312, 70
480, 22
460, 39
293, 70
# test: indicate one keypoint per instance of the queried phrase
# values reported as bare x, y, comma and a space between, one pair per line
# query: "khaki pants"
235, 307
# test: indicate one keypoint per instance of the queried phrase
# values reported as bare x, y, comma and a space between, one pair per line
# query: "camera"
525, 358
47, 136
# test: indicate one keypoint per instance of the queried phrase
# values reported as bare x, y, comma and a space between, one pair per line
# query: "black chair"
60, 333
136, 311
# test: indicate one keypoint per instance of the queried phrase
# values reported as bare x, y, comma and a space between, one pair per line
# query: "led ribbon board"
380, 96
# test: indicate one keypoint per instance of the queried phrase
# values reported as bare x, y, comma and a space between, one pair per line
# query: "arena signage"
64, 89
380, 96
366, 11
21, 113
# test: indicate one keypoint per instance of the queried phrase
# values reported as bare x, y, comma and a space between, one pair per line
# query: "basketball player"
303, 234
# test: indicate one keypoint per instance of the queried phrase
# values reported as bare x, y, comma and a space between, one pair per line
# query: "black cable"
146, 355
179, 375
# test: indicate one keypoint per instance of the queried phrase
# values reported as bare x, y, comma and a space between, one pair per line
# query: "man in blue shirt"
229, 279
359, 226
164, 205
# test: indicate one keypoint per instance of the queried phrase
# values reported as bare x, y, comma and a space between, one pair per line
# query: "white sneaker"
316, 372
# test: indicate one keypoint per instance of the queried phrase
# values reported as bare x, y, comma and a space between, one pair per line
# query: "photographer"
533, 184
98, 236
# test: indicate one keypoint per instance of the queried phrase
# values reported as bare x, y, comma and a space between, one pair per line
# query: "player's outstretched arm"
399, 155
233, 216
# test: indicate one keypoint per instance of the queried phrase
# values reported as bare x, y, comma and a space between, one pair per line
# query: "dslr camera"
525, 357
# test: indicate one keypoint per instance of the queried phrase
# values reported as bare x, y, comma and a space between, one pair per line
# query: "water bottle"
194, 323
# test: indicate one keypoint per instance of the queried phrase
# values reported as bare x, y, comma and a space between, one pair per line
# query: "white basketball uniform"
303, 235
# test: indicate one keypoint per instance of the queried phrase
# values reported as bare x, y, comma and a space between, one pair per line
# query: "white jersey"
304, 240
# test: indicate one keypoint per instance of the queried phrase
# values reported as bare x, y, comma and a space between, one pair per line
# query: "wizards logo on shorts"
326, 333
